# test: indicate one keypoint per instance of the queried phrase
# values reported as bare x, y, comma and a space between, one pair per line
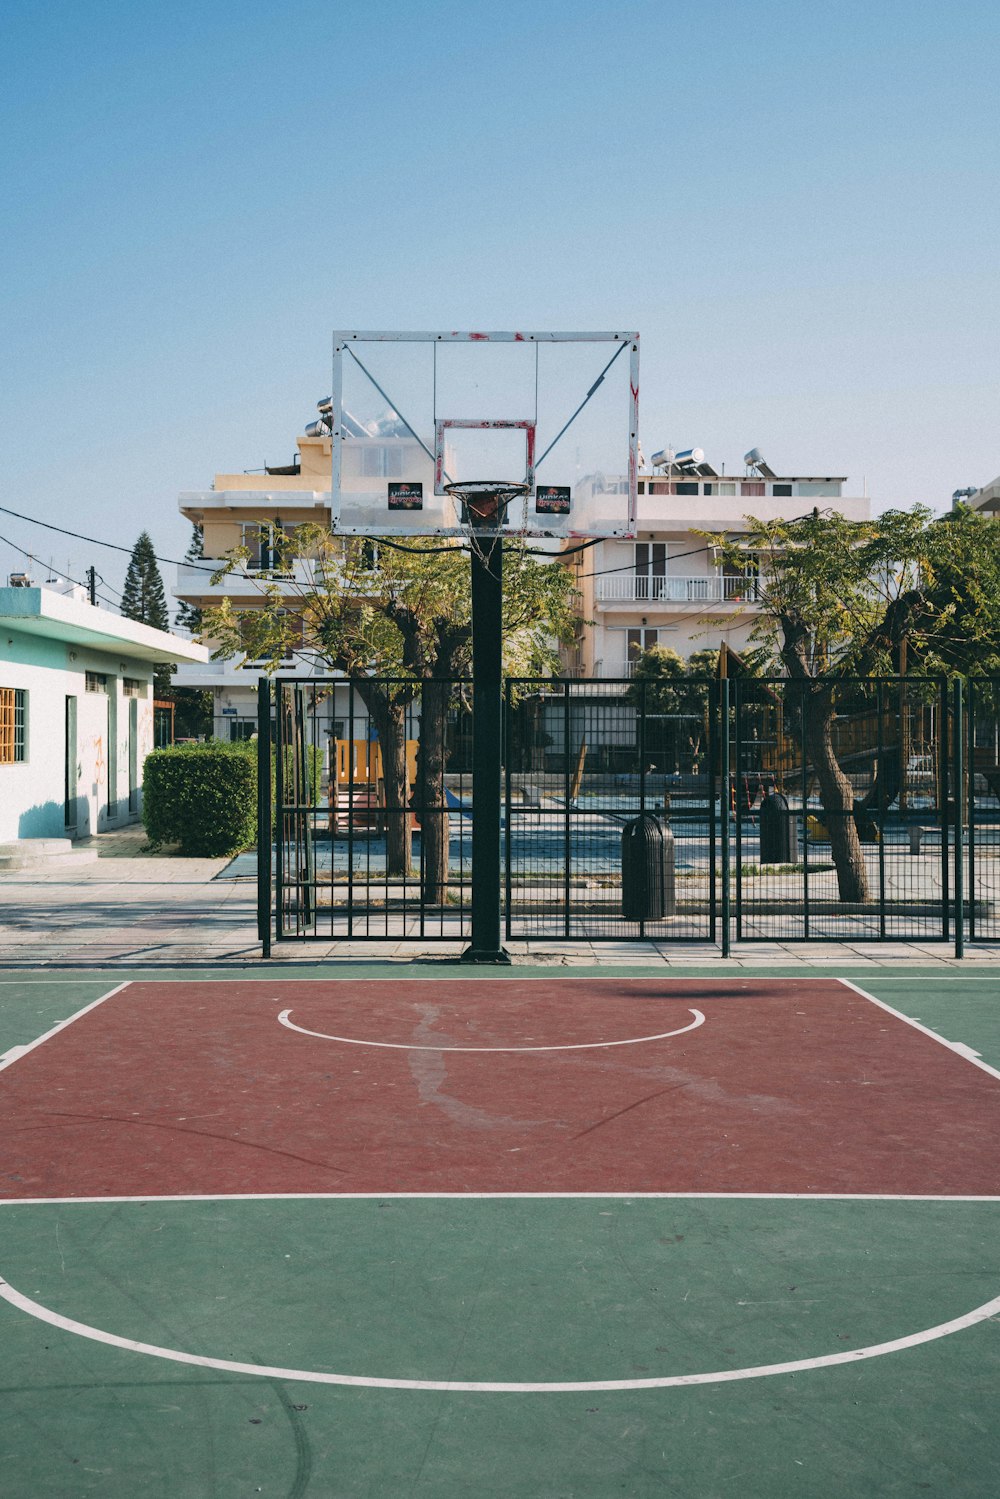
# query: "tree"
854, 599
144, 600
371, 611
194, 707
188, 616
678, 695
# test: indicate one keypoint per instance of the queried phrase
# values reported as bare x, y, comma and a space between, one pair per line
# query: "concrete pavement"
132, 908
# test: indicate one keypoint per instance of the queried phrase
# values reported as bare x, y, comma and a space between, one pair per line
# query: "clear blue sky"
797, 206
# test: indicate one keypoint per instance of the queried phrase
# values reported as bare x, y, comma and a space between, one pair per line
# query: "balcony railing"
711, 588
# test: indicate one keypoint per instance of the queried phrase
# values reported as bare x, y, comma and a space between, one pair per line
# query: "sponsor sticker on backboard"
552, 499
406, 496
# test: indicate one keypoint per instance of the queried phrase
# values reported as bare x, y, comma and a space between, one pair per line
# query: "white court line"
390, 1196
14, 1053
699, 1019
958, 1047
496, 1387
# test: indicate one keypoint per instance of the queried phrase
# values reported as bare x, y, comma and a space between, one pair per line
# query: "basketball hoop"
484, 501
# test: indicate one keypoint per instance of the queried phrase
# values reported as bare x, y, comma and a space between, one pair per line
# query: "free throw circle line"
497, 1387
699, 1019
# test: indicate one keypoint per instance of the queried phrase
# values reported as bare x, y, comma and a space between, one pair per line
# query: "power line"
96, 541
32, 557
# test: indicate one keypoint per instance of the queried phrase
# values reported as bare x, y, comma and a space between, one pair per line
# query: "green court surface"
544, 1347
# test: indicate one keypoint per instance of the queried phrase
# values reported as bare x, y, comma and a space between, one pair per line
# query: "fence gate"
371, 828
598, 774
982, 763
840, 810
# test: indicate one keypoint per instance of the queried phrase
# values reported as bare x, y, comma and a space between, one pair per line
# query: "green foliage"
188, 616
194, 709
144, 600
370, 608
314, 766
906, 591
202, 796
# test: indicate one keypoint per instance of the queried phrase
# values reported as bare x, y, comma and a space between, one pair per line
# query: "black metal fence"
694, 811
585, 761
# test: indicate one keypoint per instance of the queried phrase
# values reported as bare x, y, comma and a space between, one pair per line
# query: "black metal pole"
959, 784
724, 785
487, 751
264, 815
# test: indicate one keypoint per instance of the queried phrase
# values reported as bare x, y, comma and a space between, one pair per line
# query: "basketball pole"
487, 751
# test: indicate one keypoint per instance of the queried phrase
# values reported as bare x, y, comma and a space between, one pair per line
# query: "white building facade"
667, 587
76, 713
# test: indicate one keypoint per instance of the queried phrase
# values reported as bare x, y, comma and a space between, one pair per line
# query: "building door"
71, 768
133, 754
650, 569
112, 805
637, 641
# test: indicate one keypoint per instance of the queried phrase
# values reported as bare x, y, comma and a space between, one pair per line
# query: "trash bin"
648, 892
777, 842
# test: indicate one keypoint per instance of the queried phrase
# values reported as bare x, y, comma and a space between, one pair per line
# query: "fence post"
724, 814
264, 814
959, 783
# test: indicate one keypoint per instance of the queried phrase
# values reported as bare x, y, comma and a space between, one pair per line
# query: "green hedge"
202, 796
314, 760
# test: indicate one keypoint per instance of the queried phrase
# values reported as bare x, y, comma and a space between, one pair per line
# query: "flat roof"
41, 611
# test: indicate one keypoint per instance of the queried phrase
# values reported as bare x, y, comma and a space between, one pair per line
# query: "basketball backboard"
412, 413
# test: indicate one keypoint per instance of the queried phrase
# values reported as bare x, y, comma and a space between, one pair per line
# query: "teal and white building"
76, 712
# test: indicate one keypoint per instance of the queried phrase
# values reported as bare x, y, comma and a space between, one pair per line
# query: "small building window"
13, 725
754, 488
659, 486
685, 487
132, 687
727, 487
96, 681
781, 491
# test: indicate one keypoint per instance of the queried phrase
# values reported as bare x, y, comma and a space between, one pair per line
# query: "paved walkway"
133, 908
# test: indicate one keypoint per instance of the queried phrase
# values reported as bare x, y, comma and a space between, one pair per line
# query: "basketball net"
483, 508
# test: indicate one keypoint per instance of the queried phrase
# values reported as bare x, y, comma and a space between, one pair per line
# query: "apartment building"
667, 587
245, 510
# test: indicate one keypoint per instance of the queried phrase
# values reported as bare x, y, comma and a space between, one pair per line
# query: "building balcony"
229, 674
710, 588
194, 580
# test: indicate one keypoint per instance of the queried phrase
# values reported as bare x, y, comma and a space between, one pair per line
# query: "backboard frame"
542, 523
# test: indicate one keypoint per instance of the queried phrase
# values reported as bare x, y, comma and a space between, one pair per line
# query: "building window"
13, 725
378, 462
781, 491
685, 487
132, 687
752, 488
726, 487
818, 488
660, 486
95, 681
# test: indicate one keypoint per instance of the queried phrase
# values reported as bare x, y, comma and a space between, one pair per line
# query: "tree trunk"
837, 795
389, 718
435, 826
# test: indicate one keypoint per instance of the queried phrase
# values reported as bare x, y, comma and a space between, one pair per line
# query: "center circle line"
499, 1387
699, 1019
